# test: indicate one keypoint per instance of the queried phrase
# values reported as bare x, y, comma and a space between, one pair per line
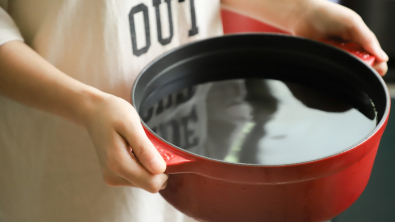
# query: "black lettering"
185, 95
169, 102
146, 116
167, 40
139, 8
194, 29
162, 106
187, 132
170, 128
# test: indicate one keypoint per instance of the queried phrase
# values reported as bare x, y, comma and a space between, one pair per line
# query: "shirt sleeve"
8, 29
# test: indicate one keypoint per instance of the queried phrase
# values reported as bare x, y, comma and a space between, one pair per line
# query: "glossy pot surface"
214, 190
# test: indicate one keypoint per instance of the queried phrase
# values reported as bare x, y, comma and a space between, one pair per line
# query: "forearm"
284, 14
29, 79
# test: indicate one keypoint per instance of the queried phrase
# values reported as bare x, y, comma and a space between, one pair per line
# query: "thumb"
142, 147
369, 42
364, 36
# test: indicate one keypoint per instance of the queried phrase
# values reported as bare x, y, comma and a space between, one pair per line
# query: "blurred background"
377, 203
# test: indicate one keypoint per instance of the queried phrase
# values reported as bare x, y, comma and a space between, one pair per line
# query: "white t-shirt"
48, 167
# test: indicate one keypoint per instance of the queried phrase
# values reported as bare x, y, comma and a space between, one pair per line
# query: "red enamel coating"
233, 22
210, 190
354, 49
172, 157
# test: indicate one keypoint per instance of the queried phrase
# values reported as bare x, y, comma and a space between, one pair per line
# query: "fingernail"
384, 55
164, 186
157, 164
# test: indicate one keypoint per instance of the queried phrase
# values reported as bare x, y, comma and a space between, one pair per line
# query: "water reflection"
258, 121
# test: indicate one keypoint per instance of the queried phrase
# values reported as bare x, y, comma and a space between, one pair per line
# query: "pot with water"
263, 127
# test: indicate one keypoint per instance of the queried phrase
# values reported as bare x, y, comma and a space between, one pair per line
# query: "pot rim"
360, 142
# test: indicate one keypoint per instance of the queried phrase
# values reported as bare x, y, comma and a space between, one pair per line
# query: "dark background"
379, 16
377, 202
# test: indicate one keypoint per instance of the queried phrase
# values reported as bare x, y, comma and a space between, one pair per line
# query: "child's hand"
116, 131
315, 19
323, 19
113, 124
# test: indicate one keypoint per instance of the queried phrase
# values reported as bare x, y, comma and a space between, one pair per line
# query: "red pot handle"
176, 160
354, 49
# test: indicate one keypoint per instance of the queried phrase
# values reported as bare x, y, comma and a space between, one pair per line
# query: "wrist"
303, 15
89, 100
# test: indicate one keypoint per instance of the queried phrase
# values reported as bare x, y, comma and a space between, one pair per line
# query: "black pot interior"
313, 64
261, 56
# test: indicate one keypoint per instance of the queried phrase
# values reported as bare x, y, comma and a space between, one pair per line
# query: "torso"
48, 166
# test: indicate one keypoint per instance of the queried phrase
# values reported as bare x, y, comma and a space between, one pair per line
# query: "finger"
134, 172
124, 164
381, 68
114, 180
142, 147
361, 34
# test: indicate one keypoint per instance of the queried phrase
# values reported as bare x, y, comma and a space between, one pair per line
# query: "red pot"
214, 190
